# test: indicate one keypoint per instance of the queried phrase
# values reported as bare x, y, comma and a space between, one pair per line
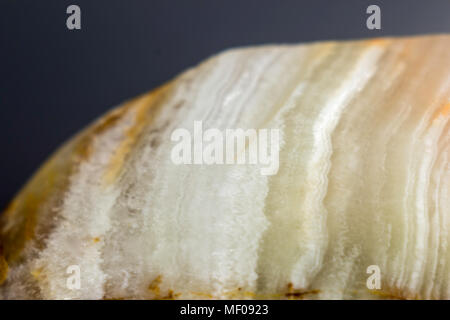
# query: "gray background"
54, 81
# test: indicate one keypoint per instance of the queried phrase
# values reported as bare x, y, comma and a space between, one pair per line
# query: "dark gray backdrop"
54, 81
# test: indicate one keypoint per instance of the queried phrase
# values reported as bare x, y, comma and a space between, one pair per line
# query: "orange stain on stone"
444, 111
295, 294
441, 113
37, 274
379, 42
154, 288
393, 293
3, 269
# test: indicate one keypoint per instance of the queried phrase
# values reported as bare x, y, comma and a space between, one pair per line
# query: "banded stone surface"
364, 180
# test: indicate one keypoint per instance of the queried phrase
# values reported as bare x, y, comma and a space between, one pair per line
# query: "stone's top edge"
288, 45
323, 41
293, 45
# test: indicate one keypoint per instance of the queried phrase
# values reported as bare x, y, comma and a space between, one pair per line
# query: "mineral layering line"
364, 179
